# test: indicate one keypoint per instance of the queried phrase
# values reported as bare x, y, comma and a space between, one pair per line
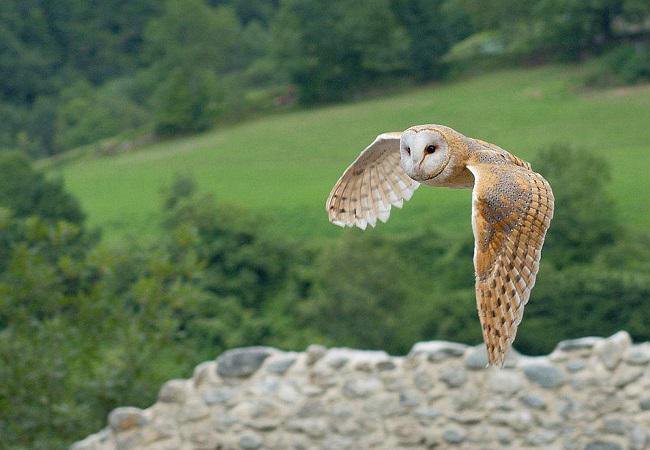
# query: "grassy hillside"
285, 165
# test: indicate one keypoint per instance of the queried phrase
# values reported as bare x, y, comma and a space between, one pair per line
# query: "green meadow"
283, 166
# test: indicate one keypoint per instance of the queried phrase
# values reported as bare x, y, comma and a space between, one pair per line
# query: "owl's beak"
416, 163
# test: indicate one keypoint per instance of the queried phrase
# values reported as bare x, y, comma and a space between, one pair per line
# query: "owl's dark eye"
430, 149
408, 150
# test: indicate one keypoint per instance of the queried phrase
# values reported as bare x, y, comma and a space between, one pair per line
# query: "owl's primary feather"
512, 207
371, 185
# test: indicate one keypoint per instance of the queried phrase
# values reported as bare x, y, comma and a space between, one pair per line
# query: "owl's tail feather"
498, 334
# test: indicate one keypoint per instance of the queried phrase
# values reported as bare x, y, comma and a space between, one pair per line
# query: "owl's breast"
458, 179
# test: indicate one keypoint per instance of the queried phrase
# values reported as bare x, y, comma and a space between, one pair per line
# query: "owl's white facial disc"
424, 154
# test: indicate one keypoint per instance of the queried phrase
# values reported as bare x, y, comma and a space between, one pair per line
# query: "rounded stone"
126, 418
313, 427
94, 441
468, 418
174, 391
202, 373
426, 413
454, 435
518, 421
476, 358
504, 436
314, 353
422, 380
639, 438
533, 401
453, 376
544, 374
505, 382
86, 444
638, 355
611, 350
223, 395
337, 362
281, 365
614, 426
250, 441
242, 362
408, 432
409, 398
384, 405
385, 365
603, 445
431, 438
627, 376
334, 443
541, 438
311, 408
438, 350
361, 388
288, 393
465, 398
586, 343
193, 411
644, 404
575, 365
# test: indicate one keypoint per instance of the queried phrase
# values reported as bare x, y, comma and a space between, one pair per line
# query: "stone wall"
589, 393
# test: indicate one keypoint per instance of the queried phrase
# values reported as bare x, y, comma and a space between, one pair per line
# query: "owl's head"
432, 154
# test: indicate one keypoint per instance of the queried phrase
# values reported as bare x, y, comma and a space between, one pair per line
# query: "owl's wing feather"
512, 208
504, 154
372, 184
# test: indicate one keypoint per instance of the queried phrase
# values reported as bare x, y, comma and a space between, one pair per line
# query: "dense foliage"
86, 326
76, 72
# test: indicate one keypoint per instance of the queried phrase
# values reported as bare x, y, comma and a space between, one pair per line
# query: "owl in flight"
512, 208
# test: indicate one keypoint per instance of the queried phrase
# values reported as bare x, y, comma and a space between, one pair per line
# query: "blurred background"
164, 167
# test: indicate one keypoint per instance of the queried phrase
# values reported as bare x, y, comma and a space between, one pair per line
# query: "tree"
98, 41
27, 192
332, 48
43, 247
238, 258
191, 35
584, 220
190, 47
186, 101
584, 300
492, 14
360, 297
255, 10
86, 114
572, 28
433, 27
46, 46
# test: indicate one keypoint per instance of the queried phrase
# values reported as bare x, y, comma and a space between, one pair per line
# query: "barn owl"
512, 207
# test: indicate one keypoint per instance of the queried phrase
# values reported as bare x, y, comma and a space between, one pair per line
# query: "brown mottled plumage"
512, 208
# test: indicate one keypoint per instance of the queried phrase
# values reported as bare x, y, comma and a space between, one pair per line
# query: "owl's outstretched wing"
373, 183
512, 208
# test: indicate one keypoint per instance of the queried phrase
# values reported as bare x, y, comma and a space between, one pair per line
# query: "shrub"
332, 48
187, 101
27, 192
627, 64
584, 220
585, 300
86, 114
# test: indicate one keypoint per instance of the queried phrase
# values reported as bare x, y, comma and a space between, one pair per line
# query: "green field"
285, 165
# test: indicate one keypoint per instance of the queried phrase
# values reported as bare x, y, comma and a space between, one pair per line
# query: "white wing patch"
372, 184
